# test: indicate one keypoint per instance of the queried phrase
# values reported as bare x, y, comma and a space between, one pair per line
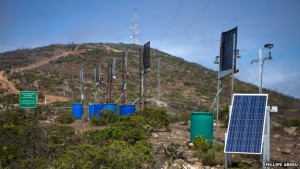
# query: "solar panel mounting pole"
266, 146
217, 61
218, 103
261, 66
141, 77
232, 73
145, 93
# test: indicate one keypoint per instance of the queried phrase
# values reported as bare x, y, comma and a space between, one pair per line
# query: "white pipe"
122, 92
215, 99
135, 101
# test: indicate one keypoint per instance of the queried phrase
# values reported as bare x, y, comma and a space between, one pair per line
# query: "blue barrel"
127, 109
77, 110
110, 106
91, 111
98, 109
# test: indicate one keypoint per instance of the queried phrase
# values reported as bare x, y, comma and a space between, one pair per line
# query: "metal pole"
80, 74
266, 147
96, 86
110, 82
141, 77
232, 73
145, 94
260, 62
107, 83
123, 79
158, 79
218, 103
82, 86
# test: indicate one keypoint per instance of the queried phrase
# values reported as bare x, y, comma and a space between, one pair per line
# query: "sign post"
28, 99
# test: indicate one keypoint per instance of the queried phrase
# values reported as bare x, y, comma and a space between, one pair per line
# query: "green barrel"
201, 125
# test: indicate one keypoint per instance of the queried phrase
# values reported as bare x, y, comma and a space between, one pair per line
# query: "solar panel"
246, 124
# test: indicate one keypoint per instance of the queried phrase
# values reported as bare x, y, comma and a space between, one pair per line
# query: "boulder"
198, 165
155, 135
191, 145
290, 130
286, 151
187, 155
192, 160
181, 164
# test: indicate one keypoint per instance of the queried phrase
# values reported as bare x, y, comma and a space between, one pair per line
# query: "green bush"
137, 122
291, 122
9, 99
201, 144
18, 117
118, 154
224, 115
209, 157
157, 118
107, 117
218, 148
181, 117
96, 120
66, 118
277, 130
298, 130
202, 151
130, 135
33, 163
59, 134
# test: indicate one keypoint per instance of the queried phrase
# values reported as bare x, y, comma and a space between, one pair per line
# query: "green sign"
28, 99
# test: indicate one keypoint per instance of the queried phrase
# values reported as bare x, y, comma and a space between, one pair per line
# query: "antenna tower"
134, 27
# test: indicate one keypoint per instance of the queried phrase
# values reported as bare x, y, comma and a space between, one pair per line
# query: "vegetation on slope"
184, 86
124, 144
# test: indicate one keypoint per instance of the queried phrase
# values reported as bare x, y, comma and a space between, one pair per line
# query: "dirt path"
6, 84
10, 86
53, 98
112, 49
42, 62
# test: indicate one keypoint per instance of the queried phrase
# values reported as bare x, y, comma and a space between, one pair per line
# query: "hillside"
184, 86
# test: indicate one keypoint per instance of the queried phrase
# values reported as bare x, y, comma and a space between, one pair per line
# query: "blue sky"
190, 29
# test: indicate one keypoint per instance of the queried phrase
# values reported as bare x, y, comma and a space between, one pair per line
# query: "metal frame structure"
261, 62
221, 75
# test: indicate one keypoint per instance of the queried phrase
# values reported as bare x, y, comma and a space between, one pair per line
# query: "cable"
171, 24
195, 19
255, 75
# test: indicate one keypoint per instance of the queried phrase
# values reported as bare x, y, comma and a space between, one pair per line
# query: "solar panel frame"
244, 143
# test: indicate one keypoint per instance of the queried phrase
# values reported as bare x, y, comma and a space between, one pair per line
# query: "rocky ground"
171, 147
284, 148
